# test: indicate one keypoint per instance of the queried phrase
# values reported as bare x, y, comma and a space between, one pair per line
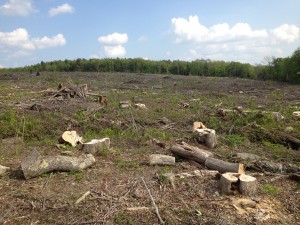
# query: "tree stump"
248, 185
164, 160
95, 146
70, 137
35, 164
228, 183
3, 170
206, 136
223, 167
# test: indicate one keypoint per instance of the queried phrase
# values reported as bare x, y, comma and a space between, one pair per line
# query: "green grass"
270, 189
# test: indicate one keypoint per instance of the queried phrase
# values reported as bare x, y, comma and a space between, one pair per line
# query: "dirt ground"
117, 192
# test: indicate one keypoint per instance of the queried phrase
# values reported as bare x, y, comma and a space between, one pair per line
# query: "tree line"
278, 69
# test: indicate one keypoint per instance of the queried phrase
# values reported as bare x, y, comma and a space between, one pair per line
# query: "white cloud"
286, 33
114, 39
193, 30
239, 42
114, 51
20, 44
17, 8
46, 42
65, 8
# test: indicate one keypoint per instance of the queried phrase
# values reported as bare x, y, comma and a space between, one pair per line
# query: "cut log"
95, 146
228, 183
163, 160
35, 164
189, 152
3, 170
248, 185
71, 137
206, 136
223, 167
198, 173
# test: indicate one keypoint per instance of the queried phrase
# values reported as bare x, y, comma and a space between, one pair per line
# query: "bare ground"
115, 181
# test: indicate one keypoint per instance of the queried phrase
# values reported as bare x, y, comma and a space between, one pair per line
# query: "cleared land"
117, 192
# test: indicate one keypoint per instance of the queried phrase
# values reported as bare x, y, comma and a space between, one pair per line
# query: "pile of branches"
70, 91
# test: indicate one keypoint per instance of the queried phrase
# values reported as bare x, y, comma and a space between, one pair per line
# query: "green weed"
235, 140
271, 190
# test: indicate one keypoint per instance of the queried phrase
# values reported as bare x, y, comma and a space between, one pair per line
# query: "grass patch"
270, 190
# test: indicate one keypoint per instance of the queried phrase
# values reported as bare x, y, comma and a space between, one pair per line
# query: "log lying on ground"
248, 185
228, 183
164, 160
189, 152
3, 170
35, 164
95, 146
223, 167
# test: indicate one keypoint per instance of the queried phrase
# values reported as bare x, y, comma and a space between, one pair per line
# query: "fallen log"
35, 164
223, 167
248, 185
164, 160
189, 152
228, 183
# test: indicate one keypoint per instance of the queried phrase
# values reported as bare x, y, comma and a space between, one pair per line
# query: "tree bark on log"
35, 164
189, 152
248, 185
164, 160
227, 183
223, 167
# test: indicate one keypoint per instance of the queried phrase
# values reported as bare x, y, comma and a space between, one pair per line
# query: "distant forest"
278, 69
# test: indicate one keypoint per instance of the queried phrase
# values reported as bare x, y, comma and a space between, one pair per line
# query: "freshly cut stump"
164, 160
223, 167
248, 185
226, 183
95, 146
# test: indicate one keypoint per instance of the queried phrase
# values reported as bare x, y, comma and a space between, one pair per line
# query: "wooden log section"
248, 185
35, 164
95, 146
227, 183
223, 167
164, 160
189, 152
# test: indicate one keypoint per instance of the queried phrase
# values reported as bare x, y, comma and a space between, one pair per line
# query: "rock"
248, 156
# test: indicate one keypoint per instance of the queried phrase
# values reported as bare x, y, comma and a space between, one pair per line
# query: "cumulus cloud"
114, 39
17, 8
239, 42
286, 33
192, 30
114, 51
19, 39
65, 8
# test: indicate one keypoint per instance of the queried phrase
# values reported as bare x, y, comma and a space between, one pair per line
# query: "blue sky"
233, 30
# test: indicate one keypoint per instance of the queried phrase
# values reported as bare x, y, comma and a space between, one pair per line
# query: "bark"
189, 152
248, 185
158, 159
228, 182
223, 167
35, 164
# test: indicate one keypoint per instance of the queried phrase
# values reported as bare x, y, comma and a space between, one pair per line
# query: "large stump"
189, 152
248, 185
35, 164
206, 136
223, 167
95, 146
228, 183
